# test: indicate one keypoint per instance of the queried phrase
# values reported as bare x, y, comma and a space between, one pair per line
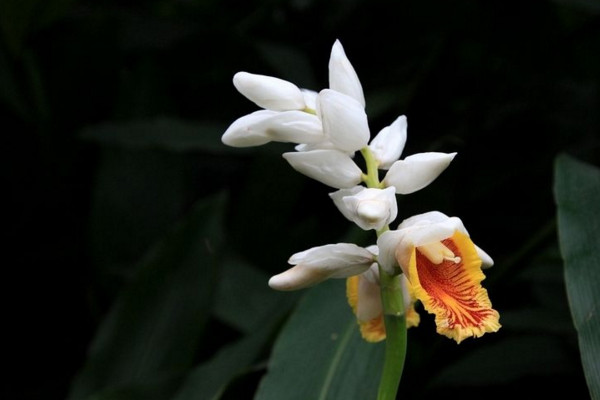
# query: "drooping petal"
452, 291
417, 171
342, 76
412, 316
344, 120
331, 167
389, 143
248, 130
317, 264
269, 92
369, 208
371, 329
295, 127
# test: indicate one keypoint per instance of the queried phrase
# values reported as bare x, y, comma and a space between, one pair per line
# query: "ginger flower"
443, 267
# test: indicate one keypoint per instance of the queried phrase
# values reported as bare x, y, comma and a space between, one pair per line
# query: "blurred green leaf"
243, 298
320, 354
577, 195
123, 222
210, 379
151, 332
163, 133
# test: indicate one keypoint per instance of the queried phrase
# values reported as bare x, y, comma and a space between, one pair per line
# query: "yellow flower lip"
446, 278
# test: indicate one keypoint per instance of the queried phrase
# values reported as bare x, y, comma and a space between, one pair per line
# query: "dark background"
508, 85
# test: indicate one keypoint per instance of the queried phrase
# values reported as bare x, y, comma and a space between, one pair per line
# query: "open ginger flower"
444, 271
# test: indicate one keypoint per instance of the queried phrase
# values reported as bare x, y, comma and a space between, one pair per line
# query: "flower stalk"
392, 300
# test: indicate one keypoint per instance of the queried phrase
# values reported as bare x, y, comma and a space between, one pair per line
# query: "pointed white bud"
389, 143
317, 264
416, 171
369, 208
248, 130
331, 167
344, 121
269, 92
342, 76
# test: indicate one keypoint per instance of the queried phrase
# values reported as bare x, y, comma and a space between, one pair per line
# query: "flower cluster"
440, 265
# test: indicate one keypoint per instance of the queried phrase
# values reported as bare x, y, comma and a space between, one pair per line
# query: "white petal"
269, 92
317, 264
417, 171
486, 260
331, 167
295, 127
387, 243
248, 130
334, 257
338, 200
342, 76
389, 143
372, 208
369, 299
344, 120
310, 98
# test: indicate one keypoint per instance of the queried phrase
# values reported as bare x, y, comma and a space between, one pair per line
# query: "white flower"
264, 126
331, 167
269, 92
342, 76
344, 120
389, 143
427, 230
368, 208
416, 171
317, 264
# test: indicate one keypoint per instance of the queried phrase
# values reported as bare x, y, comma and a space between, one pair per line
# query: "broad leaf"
320, 354
577, 193
152, 331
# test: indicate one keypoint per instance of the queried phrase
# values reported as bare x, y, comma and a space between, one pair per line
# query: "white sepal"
344, 120
317, 264
331, 167
369, 295
269, 92
342, 76
248, 130
389, 143
369, 208
417, 171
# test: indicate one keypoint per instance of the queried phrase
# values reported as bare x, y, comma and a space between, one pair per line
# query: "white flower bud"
248, 130
317, 264
331, 167
369, 208
344, 121
387, 146
295, 127
269, 92
416, 171
342, 76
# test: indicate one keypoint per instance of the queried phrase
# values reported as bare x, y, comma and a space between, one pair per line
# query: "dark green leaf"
151, 332
320, 354
243, 298
577, 194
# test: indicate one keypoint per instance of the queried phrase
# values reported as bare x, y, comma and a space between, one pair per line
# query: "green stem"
392, 301
395, 328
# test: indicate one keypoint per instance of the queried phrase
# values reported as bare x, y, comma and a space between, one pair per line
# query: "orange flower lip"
449, 286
